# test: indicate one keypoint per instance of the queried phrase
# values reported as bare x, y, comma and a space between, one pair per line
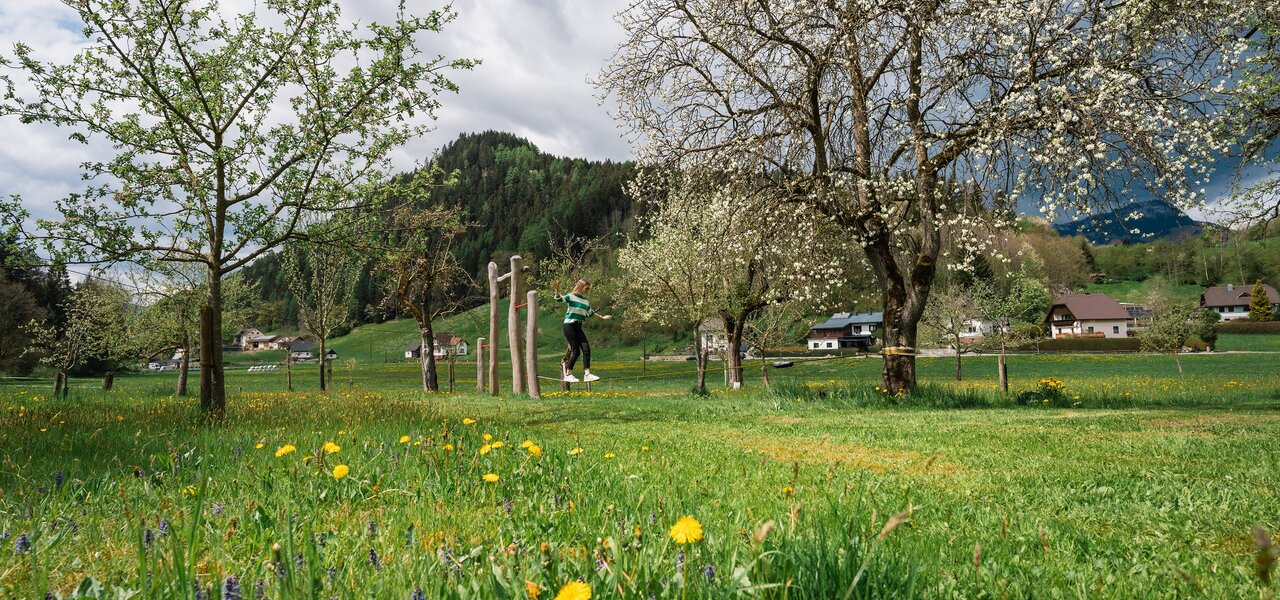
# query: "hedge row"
1084, 344
1239, 326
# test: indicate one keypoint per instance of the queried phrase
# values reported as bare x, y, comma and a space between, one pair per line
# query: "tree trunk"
288, 371
958, 354
1178, 361
213, 390
764, 369
899, 374
324, 383
59, 383
733, 360
428, 357
1003, 367
480, 365
184, 366
700, 357
108, 381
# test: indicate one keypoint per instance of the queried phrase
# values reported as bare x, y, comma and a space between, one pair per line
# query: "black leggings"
578, 345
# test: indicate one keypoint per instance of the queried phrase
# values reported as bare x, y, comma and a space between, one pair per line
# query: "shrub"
1253, 327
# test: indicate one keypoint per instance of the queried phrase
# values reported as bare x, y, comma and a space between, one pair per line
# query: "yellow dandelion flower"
286, 449
788, 490
404, 439
258, 446
535, 450
644, 448
498, 444
491, 478
485, 449
574, 590
531, 589
487, 437
448, 447
331, 448
687, 530
575, 452
526, 443
341, 471
609, 455
468, 421
189, 490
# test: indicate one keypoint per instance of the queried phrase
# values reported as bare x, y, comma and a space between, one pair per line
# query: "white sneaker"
569, 378
590, 377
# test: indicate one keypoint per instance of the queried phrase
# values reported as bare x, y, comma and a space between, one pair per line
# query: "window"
830, 345
1115, 329
857, 329
1091, 329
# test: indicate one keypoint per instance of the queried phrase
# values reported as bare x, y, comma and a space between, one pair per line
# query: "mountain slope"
1152, 219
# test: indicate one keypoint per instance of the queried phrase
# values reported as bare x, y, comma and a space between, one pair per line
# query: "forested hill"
525, 200
522, 199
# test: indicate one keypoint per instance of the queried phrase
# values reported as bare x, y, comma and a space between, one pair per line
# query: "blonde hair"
580, 286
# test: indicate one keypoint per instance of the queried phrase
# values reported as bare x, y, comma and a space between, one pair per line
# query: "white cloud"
537, 57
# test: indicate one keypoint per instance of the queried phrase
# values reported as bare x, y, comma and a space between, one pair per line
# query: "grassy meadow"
1121, 481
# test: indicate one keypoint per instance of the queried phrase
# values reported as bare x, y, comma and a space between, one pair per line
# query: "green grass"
1137, 291
1249, 342
1150, 488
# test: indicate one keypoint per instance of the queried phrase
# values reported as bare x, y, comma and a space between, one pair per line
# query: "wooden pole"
480, 365
513, 326
531, 344
493, 328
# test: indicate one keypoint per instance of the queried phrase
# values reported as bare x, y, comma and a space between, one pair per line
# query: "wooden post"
513, 326
493, 328
531, 344
480, 365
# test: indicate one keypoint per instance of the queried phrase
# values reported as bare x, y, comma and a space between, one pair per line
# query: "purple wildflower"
148, 537
58, 479
260, 590
164, 527
231, 588
373, 559
709, 570
417, 594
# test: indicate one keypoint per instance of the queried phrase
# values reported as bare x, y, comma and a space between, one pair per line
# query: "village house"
1087, 315
266, 342
1231, 301
845, 330
445, 344
715, 339
978, 328
244, 335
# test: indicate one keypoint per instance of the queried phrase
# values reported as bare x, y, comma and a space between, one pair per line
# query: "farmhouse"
1090, 315
715, 339
266, 342
445, 344
978, 328
845, 330
244, 335
1231, 301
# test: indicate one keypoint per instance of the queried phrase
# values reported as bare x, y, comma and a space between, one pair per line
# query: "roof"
264, 338
840, 320
447, 339
1090, 306
1219, 295
302, 346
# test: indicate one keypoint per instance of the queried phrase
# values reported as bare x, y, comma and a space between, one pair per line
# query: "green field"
1134, 483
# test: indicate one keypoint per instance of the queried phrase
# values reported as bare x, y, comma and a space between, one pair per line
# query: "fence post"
513, 326
531, 344
493, 328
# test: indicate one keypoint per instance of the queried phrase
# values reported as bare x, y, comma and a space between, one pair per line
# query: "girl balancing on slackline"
577, 309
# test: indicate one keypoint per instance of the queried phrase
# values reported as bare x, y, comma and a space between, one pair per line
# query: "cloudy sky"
538, 56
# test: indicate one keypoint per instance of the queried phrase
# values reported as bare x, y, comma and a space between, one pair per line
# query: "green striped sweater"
578, 308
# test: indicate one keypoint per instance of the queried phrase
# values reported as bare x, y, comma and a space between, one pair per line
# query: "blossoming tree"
858, 109
226, 132
711, 249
